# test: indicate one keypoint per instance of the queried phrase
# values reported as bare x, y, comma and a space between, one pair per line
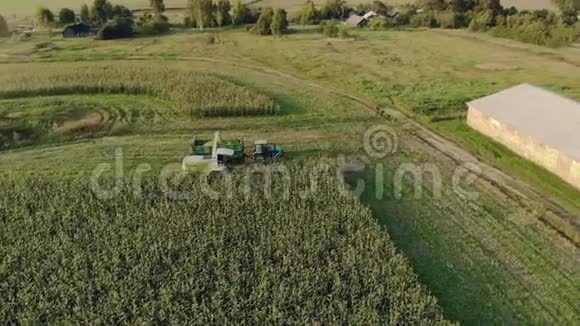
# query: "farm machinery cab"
264, 150
215, 155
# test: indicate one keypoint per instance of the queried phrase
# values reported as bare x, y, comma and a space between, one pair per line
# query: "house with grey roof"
540, 125
356, 21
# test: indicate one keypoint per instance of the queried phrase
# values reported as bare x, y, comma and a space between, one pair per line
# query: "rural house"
356, 20
535, 123
77, 30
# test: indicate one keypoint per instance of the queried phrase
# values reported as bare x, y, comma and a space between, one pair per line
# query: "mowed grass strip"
190, 92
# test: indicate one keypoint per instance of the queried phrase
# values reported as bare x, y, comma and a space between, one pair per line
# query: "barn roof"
370, 14
549, 118
355, 20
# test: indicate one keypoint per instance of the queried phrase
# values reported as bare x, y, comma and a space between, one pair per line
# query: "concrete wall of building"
526, 146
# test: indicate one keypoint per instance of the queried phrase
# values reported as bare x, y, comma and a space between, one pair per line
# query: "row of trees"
219, 13
271, 22
540, 27
97, 14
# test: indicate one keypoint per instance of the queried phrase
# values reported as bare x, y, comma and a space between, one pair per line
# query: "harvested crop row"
242, 258
191, 92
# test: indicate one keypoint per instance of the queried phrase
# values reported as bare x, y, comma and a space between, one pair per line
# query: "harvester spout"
214, 149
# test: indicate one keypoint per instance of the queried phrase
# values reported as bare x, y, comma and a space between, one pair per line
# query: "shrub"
155, 25
4, 31
381, 23
481, 22
264, 24
121, 11
279, 22
448, 19
44, 16
119, 27
343, 32
66, 16
536, 28
309, 14
425, 19
329, 28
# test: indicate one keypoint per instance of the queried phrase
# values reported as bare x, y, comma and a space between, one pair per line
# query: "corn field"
67, 256
192, 93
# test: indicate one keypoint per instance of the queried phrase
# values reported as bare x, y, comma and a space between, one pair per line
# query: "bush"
279, 24
155, 25
381, 23
330, 28
424, 19
535, 28
481, 22
119, 27
66, 16
448, 19
44, 16
264, 24
4, 31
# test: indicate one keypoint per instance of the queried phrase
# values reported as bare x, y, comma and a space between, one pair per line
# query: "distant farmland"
26, 7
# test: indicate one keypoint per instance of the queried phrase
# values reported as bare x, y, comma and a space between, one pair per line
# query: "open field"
489, 260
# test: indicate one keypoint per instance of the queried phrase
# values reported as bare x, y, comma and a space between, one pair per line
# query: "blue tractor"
266, 151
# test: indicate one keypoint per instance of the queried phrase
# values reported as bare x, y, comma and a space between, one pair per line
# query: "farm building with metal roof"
535, 123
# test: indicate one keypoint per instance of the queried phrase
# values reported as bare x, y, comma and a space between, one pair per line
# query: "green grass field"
488, 261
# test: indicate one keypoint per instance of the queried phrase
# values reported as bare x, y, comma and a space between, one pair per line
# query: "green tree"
222, 15
101, 11
202, 13
459, 6
308, 14
264, 24
567, 5
492, 5
4, 31
433, 4
330, 29
334, 9
66, 16
569, 9
279, 24
118, 27
85, 13
44, 16
121, 11
157, 5
240, 13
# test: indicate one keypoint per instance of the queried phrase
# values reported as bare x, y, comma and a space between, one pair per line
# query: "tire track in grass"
472, 259
462, 223
511, 267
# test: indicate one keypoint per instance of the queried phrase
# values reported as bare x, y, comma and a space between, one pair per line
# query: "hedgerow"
67, 256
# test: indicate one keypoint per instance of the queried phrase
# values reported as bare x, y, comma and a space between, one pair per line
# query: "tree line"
541, 27
216, 14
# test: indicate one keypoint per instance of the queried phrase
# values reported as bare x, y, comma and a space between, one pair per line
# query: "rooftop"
549, 118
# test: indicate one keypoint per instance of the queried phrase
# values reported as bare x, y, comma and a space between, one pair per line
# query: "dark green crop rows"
67, 256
